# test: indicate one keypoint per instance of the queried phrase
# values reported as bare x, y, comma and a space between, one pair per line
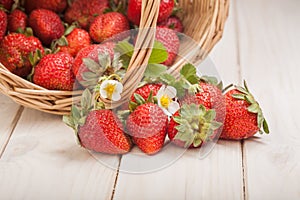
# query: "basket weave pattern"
203, 21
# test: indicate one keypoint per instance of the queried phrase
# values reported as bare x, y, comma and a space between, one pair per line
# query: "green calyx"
139, 100
79, 112
253, 108
105, 67
196, 124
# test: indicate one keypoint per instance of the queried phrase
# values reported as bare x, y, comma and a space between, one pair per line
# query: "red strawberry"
3, 24
85, 11
173, 23
54, 72
244, 117
77, 40
135, 6
108, 25
192, 126
46, 25
171, 42
7, 4
145, 90
103, 132
17, 20
15, 49
147, 126
90, 52
57, 6
211, 97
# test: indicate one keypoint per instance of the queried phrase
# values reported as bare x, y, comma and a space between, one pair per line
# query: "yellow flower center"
110, 88
165, 101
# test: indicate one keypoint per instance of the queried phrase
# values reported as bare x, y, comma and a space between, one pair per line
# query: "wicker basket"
204, 22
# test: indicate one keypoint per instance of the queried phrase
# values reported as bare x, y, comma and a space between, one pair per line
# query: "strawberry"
77, 40
3, 24
192, 126
7, 4
135, 6
210, 96
54, 72
103, 132
15, 49
46, 25
108, 25
17, 20
91, 52
85, 11
147, 126
57, 6
170, 41
173, 22
97, 129
244, 117
145, 90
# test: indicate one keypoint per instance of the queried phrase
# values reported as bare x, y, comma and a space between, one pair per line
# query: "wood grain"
218, 176
43, 161
10, 113
269, 51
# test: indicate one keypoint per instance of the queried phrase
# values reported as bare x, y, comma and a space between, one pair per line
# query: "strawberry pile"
188, 111
45, 41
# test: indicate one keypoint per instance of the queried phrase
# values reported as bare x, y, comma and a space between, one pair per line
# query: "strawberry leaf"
168, 79
189, 71
159, 53
238, 96
124, 48
266, 126
253, 108
154, 70
91, 65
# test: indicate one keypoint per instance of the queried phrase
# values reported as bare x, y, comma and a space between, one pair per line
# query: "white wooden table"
39, 158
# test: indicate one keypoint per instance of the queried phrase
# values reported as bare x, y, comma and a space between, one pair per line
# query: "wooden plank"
43, 161
269, 41
217, 176
10, 113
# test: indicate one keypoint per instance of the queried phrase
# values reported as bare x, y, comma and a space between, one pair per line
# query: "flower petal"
102, 91
116, 96
173, 107
166, 111
119, 87
161, 92
171, 92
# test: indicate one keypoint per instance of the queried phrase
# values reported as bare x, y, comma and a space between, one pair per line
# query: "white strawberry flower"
165, 96
111, 89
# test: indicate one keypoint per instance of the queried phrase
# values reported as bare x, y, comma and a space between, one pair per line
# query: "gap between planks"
13, 126
116, 179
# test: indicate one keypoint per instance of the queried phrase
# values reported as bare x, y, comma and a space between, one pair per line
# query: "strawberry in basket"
46, 25
17, 21
85, 11
3, 24
15, 51
57, 6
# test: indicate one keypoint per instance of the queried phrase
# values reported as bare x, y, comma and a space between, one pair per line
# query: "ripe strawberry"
173, 23
192, 126
90, 52
57, 6
145, 90
147, 126
171, 42
7, 4
211, 97
54, 72
46, 25
15, 49
77, 40
135, 6
3, 24
17, 20
244, 117
103, 132
85, 11
108, 25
